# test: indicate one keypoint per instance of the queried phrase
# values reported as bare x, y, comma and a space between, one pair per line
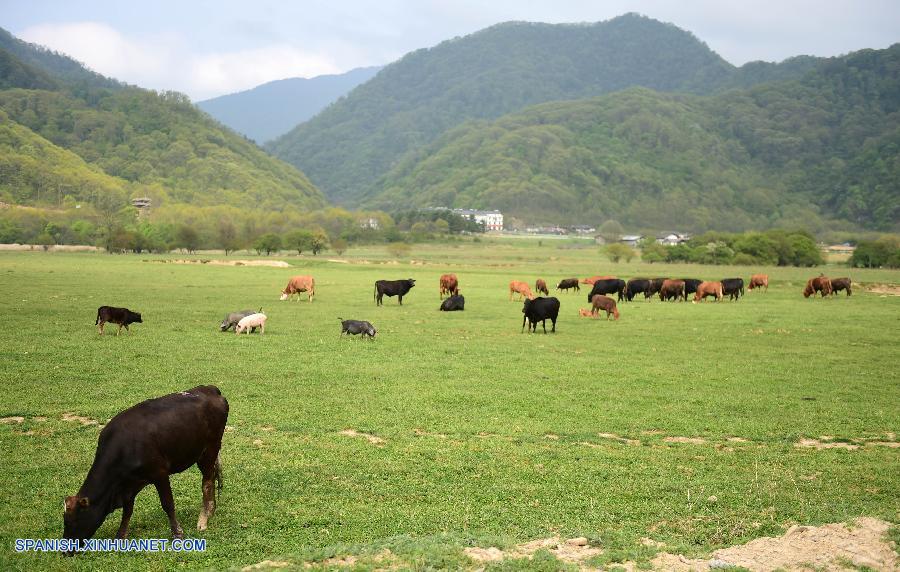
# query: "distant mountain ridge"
274, 108
66, 131
793, 153
351, 145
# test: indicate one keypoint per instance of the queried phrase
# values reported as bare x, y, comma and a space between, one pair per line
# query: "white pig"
252, 321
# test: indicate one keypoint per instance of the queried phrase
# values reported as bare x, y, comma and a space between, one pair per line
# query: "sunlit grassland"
489, 435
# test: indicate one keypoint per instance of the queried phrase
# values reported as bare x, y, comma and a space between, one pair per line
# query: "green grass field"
489, 436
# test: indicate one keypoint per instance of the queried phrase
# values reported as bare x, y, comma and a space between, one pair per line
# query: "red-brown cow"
759, 281
672, 289
593, 279
708, 289
601, 302
541, 286
821, 284
449, 285
299, 284
521, 288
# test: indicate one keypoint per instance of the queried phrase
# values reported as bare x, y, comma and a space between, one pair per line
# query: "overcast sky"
209, 48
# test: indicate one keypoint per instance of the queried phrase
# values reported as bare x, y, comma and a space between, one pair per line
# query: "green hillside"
349, 146
792, 152
155, 144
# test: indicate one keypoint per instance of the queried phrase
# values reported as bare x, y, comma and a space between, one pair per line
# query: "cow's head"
134, 317
81, 519
284, 296
224, 325
411, 282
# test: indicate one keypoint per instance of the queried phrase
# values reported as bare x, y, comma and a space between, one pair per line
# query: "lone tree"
319, 242
618, 251
268, 243
339, 245
299, 240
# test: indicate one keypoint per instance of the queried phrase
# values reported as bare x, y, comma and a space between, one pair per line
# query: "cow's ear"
84, 502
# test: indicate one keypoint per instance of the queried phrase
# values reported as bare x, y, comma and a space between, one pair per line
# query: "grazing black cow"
454, 303
690, 285
121, 316
653, 287
607, 286
231, 320
635, 286
393, 288
145, 444
733, 288
540, 310
354, 327
568, 283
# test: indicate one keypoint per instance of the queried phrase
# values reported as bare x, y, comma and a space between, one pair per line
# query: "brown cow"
821, 284
759, 281
593, 279
601, 302
708, 289
840, 284
299, 284
541, 286
520, 288
672, 289
449, 285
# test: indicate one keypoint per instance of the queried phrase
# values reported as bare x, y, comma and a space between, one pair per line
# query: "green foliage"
348, 147
617, 251
398, 249
319, 242
653, 252
651, 160
876, 254
187, 237
299, 240
268, 243
339, 245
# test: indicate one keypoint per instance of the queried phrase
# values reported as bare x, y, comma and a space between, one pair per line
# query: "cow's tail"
218, 474
341, 319
97, 321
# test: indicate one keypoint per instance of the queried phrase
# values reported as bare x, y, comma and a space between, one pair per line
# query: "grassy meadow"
485, 436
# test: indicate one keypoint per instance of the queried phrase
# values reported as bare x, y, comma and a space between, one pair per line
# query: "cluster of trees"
876, 254
117, 228
769, 248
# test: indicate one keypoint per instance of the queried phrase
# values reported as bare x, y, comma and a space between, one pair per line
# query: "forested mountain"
349, 146
272, 109
137, 141
792, 152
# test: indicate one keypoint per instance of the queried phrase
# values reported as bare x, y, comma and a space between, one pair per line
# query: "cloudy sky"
209, 48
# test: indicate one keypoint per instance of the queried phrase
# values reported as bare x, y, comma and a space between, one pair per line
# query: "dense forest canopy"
349, 146
66, 131
790, 153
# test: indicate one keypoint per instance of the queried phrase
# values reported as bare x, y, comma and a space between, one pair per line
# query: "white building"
632, 240
671, 238
492, 220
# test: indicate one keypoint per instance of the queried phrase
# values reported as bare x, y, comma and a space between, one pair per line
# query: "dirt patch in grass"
688, 440
373, 439
12, 419
573, 550
887, 289
266, 565
828, 547
79, 419
615, 437
271, 263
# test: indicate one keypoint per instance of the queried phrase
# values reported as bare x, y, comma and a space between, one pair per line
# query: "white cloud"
162, 62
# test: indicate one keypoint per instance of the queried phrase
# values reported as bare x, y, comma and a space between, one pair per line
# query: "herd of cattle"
159, 437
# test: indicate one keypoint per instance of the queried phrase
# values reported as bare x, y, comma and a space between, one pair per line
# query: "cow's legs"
101, 328
119, 330
127, 509
401, 299
210, 470
168, 504
553, 329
